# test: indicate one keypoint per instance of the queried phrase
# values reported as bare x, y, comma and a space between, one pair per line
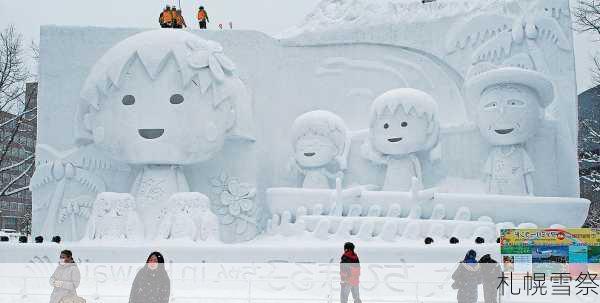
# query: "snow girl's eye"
404, 124
176, 99
386, 126
515, 102
128, 100
491, 105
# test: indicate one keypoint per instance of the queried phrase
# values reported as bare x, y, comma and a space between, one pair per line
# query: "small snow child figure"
188, 216
403, 123
466, 278
152, 283
510, 106
349, 274
320, 143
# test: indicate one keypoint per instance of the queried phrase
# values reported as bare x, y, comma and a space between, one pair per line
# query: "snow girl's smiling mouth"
394, 140
151, 133
504, 131
309, 154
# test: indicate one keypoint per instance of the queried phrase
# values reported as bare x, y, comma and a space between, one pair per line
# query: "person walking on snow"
202, 17
466, 278
152, 283
65, 279
491, 273
349, 274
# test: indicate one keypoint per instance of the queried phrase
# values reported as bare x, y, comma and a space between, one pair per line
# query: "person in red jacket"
202, 17
349, 274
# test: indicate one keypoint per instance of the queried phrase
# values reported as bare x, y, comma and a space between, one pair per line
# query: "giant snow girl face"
508, 114
400, 133
160, 121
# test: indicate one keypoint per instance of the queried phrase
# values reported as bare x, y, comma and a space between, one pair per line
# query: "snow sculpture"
403, 124
114, 217
320, 143
69, 203
510, 105
161, 100
188, 217
499, 36
341, 66
235, 204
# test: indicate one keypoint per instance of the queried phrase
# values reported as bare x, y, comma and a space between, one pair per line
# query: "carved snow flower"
238, 197
209, 54
235, 202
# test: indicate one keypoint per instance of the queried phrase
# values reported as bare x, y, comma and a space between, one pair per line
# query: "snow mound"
340, 14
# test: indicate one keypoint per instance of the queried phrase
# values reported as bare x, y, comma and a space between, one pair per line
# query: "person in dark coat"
152, 283
349, 274
490, 272
466, 278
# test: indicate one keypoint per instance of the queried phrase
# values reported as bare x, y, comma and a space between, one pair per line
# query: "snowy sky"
269, 16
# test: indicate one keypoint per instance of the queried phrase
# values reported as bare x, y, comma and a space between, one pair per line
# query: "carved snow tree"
514, 40
17, 115
587, 19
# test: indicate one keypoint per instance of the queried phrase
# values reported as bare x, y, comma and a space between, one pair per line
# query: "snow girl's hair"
412, 102
326, 124
200, 62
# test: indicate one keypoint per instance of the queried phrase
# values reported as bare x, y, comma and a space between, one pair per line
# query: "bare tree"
590, 135
17, 115
587, 20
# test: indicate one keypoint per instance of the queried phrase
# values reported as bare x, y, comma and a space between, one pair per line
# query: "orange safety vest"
167, 17
201, 15
161, 19
179, 19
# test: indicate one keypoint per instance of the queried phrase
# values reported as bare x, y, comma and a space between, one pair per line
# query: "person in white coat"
65, 278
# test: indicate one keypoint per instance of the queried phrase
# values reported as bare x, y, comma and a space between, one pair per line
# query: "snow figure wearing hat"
159, 100
403, 123
320, 143
510, 104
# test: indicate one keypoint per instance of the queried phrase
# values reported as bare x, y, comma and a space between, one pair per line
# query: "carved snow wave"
338, 14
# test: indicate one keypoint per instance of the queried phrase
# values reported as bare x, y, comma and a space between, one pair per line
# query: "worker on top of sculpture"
179, 21
320, 143
165, 19
510, 105
202, 17
403, 124
160, 100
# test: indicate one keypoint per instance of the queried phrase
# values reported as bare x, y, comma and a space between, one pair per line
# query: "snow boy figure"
403, 124
510, 105
159, 100
320, 143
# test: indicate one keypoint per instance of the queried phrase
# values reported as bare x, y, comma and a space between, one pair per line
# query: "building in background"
18, 164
